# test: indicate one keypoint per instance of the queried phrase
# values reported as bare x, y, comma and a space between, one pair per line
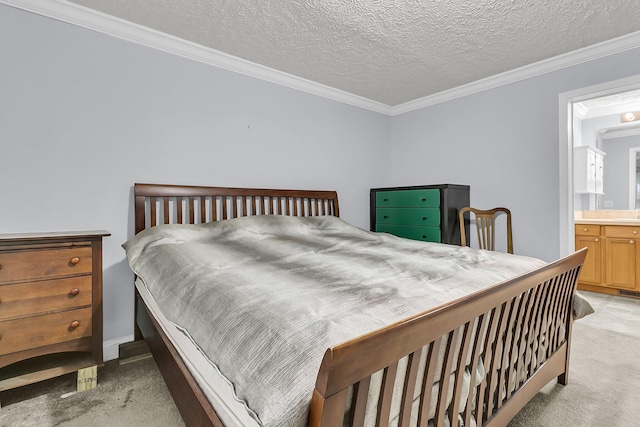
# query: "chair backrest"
485, 226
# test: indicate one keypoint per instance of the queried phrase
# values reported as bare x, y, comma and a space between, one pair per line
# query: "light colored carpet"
604, 375
603, 389
130, 395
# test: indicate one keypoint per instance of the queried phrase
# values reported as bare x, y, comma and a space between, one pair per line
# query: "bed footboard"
475, 361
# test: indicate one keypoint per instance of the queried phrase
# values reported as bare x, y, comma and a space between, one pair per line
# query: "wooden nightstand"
50, 307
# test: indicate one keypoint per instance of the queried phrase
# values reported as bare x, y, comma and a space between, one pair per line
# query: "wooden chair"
485, 226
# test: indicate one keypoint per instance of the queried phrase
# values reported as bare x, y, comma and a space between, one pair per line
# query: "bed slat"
548, 320
165, 208
152, 203
459, 377
203, 209
427, 382
563, 313
556, 315
505, 358
443, 389
516, 346
538, 326
359, 402
410, 381
535, 295
386, 395
494, 362
481, 330
540, 295
489, 339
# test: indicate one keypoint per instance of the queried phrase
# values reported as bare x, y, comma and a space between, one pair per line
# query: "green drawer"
426, 234
408, 216
408, 198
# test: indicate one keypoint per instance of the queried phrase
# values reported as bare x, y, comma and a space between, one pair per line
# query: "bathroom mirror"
603, 123
620, 172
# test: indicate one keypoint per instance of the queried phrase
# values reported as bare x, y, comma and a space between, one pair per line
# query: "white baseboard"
110, 348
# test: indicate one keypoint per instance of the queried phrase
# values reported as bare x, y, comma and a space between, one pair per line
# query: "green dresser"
426, 212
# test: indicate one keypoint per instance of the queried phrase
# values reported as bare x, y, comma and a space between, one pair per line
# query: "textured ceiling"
384, 50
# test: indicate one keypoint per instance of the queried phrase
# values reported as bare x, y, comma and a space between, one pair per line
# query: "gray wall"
591, 128
83, 116
504, 143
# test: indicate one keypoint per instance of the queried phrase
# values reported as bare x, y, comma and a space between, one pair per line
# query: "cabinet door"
599, 178
591, 171
587, 169
621, 262
592, 268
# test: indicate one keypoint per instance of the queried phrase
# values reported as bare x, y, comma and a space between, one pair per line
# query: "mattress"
217, 388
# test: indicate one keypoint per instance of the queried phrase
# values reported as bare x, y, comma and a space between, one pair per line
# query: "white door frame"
633, 154
566, 100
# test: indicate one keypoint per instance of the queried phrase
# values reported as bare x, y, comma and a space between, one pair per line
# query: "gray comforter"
264, 297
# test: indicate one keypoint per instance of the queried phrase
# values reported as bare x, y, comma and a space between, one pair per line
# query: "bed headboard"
157, 204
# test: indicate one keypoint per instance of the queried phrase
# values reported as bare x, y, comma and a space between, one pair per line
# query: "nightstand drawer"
409, 216
42, 297
28, 265
426, 234
39, 331
409, 198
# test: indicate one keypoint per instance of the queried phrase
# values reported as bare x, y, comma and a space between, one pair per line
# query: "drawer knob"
424, 200
635, 232
74, 325
595, 240
74, 260
385, 200
585, 229
385, 216
631, 242
73, 292
424, 218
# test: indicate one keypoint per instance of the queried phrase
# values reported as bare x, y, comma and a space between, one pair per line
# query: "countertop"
608, 221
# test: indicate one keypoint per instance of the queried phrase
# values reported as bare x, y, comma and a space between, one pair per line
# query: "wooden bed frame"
507, 320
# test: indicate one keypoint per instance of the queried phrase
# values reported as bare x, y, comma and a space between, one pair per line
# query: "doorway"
568, 130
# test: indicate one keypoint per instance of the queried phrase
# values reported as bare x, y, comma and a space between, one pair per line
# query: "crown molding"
81, 16
579, 110
620, 131
611, 110
589, 53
